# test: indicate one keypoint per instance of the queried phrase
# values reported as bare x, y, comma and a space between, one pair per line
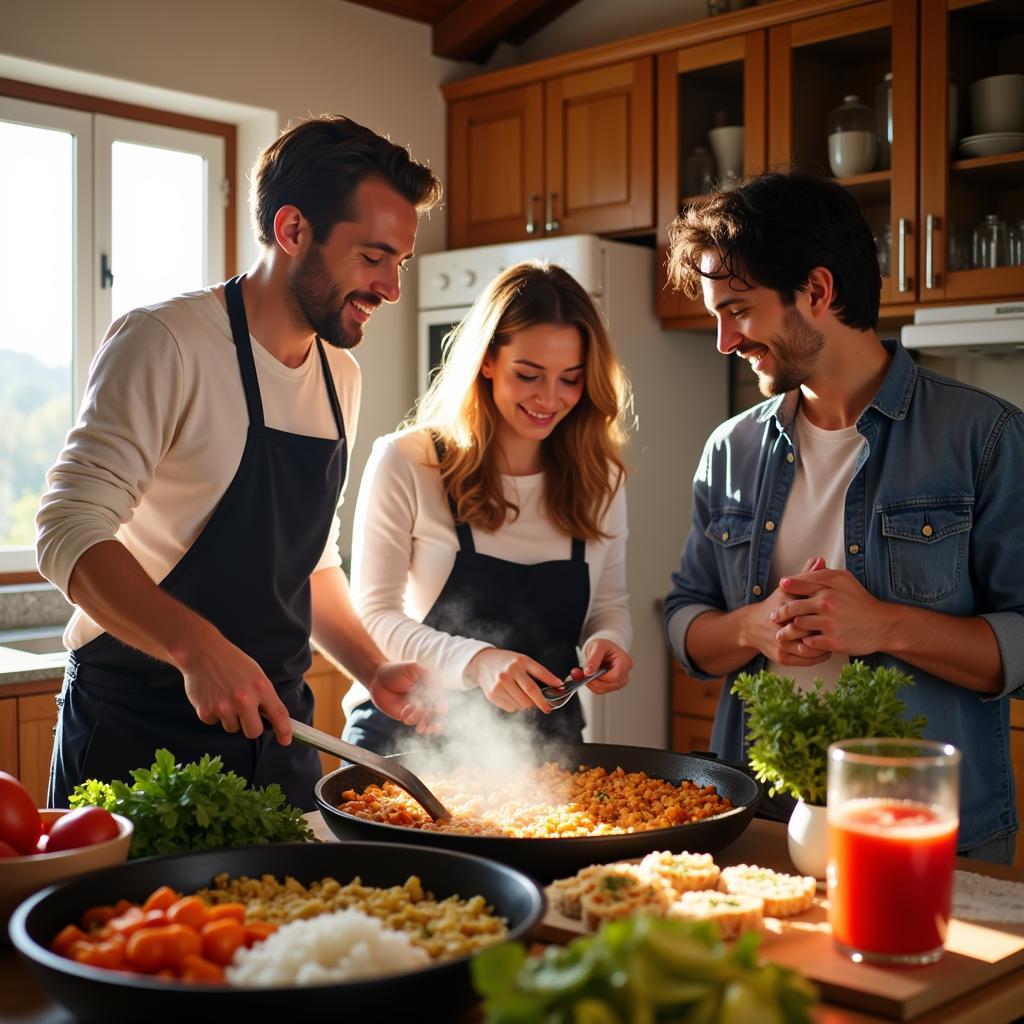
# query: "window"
104, 214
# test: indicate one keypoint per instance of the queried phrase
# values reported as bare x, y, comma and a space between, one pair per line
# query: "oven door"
433, 326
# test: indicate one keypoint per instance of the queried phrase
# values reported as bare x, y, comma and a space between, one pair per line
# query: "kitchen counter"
23, 1001
32, 621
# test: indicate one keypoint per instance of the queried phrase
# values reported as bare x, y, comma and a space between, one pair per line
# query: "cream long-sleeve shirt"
404, 546
160, 436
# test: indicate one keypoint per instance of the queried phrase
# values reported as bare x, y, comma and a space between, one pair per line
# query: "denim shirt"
934, 517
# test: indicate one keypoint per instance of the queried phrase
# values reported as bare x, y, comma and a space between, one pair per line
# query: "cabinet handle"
531, 225
550, 224
904, 229
929, 232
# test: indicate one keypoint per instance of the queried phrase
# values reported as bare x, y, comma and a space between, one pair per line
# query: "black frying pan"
545, 859
438, 992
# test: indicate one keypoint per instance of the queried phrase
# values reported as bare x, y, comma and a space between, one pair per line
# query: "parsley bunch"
198, 806
790, 730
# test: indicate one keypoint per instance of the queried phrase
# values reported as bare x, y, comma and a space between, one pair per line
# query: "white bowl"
997, 104
20, 877
992, 143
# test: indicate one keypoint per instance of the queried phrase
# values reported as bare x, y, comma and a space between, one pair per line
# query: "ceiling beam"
476, 26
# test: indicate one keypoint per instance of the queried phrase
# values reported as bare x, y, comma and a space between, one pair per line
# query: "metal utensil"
386, 766
558, 698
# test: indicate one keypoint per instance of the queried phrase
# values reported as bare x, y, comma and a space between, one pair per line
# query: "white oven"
681, 395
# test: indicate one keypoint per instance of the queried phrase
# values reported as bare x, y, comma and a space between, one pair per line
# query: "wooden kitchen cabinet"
694, 702
962, 41
697, 85
329, 684
568, 155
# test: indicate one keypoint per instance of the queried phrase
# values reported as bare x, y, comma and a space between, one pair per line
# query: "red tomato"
41, 844
20, 823
81, 827
6, 850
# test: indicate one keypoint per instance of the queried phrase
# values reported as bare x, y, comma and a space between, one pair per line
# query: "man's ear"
292, 231
820, 291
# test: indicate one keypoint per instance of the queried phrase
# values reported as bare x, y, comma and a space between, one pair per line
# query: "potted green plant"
789, 732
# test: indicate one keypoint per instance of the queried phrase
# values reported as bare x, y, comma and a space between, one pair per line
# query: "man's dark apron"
537, 610
248, 574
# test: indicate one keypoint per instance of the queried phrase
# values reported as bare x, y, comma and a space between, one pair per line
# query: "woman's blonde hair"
583, 464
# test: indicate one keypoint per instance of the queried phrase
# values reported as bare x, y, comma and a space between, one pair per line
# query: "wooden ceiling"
471, 29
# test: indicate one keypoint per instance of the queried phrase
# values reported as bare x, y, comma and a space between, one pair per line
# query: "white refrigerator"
680, 385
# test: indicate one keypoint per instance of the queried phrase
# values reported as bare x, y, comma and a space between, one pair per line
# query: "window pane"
36, 317
157, 224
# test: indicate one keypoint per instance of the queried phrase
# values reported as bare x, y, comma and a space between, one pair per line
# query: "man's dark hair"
773, 231
317, 165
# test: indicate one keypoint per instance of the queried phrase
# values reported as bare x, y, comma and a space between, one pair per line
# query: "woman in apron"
489, 538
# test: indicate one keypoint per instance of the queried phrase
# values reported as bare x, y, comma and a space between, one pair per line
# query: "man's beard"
794, 352
320, 303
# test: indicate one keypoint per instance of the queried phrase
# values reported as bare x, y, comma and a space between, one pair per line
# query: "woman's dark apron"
247, 573
537, 610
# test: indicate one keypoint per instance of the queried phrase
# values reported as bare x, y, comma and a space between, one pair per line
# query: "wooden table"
1001, 1002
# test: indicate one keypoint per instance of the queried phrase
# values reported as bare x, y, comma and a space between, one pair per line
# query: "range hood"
992, 331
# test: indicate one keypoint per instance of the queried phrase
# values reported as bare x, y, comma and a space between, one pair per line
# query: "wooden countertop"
22, 1001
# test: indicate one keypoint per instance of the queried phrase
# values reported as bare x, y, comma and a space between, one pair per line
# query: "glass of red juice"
893, 814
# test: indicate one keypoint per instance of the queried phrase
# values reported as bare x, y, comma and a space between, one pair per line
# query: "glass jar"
991, 243
699, 173
1017, 244
960, 257
883, 121
852, 143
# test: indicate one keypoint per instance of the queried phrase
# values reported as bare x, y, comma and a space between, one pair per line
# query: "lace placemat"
981, 898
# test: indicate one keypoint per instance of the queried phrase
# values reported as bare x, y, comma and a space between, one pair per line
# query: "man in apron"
191, 516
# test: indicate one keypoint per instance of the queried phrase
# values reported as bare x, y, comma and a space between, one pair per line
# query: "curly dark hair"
772, 232
318, 163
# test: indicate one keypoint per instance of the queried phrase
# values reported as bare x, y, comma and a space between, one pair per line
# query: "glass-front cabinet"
712, 130
972, 181
843, 90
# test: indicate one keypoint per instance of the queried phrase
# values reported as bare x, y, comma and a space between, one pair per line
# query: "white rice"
344, 946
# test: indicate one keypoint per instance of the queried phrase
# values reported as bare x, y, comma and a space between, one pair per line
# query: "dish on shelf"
991, 143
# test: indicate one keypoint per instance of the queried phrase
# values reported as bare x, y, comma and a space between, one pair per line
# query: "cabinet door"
329, 684
814, 64
9, 736
37, 717
600, 150
968, 171
698, 86
495, 167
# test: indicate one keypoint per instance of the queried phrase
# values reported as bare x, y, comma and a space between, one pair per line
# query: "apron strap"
243, 348
462, 530
579, 550
332, 393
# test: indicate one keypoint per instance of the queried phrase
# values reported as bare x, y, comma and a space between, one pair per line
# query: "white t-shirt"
404, 546
160, 436
813, 521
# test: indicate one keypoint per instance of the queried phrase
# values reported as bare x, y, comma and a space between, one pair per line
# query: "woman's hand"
511, 681
603, 653
406, 692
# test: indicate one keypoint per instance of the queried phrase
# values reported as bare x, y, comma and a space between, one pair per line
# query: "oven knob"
468, 279
441, 282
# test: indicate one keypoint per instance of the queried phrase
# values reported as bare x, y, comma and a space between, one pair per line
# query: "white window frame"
93, 134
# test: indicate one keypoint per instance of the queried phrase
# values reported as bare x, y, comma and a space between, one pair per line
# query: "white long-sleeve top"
404, 546
160, 437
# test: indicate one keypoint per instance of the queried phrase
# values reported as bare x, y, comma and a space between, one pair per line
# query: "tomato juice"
890, 877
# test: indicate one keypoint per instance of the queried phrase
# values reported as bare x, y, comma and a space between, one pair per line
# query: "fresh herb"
198, 806
640, 969
790, 730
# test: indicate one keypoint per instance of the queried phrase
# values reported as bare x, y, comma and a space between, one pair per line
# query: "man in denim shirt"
868, 508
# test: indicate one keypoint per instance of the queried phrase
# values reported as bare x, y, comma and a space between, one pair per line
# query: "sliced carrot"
122, 905
130, 921
234, 911
189, 910
221, 939
197, 968
161, 899
65, 937
96, 917
257, 931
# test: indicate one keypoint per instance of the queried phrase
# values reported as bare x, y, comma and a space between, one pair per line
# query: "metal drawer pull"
929, 231
550, 224
531, 225
904, 228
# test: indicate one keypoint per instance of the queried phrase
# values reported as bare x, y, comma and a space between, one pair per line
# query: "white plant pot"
807, 834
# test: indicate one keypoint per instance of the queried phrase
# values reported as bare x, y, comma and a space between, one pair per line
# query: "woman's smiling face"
536, 380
